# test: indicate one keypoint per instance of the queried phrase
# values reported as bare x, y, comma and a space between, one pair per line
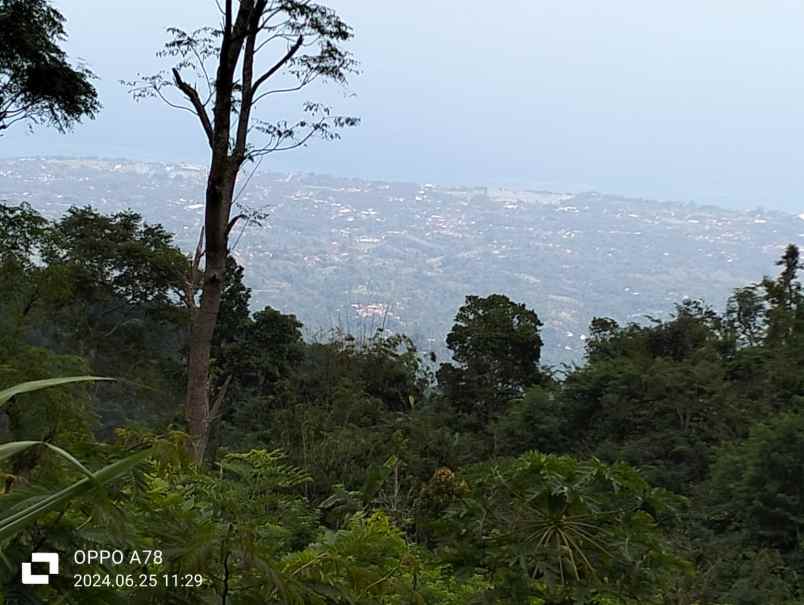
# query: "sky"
692, 100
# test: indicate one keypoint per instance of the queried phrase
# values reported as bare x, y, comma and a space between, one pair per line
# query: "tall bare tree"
262, 48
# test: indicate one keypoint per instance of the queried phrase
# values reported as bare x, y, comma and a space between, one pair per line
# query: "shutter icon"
52, 560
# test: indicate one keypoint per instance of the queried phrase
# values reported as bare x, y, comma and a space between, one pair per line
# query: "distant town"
356, 255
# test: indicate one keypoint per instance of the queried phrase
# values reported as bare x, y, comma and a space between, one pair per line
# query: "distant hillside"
355, 254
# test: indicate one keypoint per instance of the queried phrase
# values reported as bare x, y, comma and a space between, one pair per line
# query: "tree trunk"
223, 170
220, 188
196, 408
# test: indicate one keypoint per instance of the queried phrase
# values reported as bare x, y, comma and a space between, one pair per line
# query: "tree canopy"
37, 83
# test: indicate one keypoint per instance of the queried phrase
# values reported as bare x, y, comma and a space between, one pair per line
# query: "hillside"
355, 254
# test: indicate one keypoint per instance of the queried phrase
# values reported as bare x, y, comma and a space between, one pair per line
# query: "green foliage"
247, 529
497, 345
103, 288
658, 396
758, 484
35, 412
386, 367
339, 474
245, 516
387, 570
536, 421
37, 84
745, 315
21, 231
117, 257
257, 540
23, 513
555, 528
783, 296
269, 345
26, 506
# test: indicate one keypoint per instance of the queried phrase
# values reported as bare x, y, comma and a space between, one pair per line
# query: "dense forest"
664, 469
168, 444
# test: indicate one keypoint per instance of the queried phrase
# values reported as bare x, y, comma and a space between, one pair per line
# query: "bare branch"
133, 320
269, 39
276, 145
192, 95
233, 222
288, 56
8, 123
206, 74
192, 280
9, 103
217, 406
283, 90
169, 103
247, 181
267, 18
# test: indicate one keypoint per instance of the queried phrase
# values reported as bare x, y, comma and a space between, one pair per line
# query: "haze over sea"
681, 101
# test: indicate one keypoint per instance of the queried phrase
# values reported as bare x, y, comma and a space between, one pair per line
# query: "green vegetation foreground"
666, 469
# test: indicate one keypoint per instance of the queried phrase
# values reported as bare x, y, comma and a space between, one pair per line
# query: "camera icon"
52, 560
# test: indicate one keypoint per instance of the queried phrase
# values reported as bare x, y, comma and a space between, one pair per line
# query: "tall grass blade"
37, 385
12, 524
15, 447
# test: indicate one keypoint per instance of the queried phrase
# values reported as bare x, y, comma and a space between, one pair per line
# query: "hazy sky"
690, 100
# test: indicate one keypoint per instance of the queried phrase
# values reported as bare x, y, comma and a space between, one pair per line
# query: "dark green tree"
536, 421
233, 323
233, 330
104, 288
117, 256
768, 362
252, 352
37, 83
497, 346
746, 316
784, 297
21, 232
657, 396
754, 504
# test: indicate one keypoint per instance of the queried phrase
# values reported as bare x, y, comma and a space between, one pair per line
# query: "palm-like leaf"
32, 509
15, 447
38, 385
